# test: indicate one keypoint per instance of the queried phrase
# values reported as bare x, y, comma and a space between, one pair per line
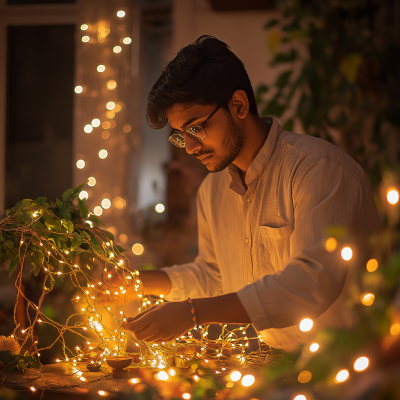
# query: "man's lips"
205, 158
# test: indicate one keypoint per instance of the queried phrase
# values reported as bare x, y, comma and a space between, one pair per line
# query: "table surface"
63, 378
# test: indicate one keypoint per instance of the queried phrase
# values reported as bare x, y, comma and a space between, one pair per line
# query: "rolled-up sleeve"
324, 194
202, 277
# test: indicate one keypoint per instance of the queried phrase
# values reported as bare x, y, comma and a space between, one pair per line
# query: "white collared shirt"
267, 243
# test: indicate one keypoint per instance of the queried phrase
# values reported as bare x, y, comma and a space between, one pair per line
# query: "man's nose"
191, 145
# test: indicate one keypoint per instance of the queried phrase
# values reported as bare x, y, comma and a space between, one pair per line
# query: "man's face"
224, 138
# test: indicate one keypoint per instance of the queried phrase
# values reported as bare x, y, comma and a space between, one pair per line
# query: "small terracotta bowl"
119, 362
93, 367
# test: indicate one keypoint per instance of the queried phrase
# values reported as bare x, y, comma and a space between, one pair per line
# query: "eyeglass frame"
176, 132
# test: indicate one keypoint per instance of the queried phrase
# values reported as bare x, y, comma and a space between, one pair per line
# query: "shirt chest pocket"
274, 246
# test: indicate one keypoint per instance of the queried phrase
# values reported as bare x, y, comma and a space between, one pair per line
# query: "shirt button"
248, 199
246, 240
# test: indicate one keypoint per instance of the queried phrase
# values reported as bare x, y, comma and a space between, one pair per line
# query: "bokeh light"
300, 397
392, 196
112, 229
342, 375
127, 40
91, 181
111, 85
361, 364
98, 210
101, 68
88, 128
235, 376
123, 238
105, 135
126, 128
95, 122
372, 265
83, 195
106, 125
331, 244
119, 203
110, 114
186, 396
85, 39
106, 203
137, 249
103, 153
110, 105
395, 329
80, 164
162, 376
160, 208
117, 49
314, 347
121, 14
84, 27
306, 324
248, 380
78, 89
367, 299
304, 376
346, 253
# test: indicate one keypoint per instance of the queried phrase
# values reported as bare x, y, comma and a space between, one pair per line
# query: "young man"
262, 212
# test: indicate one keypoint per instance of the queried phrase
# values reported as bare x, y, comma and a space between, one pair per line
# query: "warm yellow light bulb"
392, 196
314, 347
80, 164
306, 324
248, 380
346, 253
361, 364
137, 249
103, 154
98, 210
235, 376
367, 299
342, 375
162, 376
372, 265
91, 181
111, 85
331, 244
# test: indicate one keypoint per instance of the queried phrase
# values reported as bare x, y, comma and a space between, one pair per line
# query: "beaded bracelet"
193, 311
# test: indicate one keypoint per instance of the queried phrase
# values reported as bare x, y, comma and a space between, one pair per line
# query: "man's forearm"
221, 309
155, 282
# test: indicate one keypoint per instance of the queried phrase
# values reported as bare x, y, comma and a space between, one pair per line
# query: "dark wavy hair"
204, 72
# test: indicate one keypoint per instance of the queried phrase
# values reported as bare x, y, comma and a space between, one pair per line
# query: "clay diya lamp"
93, 367
118, 364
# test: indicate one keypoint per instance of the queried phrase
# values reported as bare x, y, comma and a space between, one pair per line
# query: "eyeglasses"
196, 132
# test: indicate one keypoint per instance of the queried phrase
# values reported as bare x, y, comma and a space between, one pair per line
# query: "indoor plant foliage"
340, 63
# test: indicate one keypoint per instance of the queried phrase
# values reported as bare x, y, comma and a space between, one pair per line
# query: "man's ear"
240, 104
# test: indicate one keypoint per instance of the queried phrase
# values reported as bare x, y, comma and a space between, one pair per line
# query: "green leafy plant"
10, 362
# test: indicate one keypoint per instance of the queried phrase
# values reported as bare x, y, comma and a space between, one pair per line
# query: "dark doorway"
39, 116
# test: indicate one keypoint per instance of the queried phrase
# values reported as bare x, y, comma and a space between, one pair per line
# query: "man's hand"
161, 323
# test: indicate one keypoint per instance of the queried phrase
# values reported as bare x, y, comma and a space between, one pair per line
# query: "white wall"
242, 30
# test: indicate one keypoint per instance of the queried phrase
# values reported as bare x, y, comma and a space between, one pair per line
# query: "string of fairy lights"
92, 35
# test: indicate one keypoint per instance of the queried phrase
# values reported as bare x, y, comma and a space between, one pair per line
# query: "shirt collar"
262, 158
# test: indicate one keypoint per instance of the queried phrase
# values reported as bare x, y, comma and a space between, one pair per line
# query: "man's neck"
255, 134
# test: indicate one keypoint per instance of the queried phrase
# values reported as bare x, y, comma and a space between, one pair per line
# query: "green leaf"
271, 23
76, 242
40, 201
6, 356
283, 79
13, 265
68, 225
72, 193
83, 208
33, 362
84, 234
55, 225
96, 220
109, 235
274, 108
22, 364
63, 210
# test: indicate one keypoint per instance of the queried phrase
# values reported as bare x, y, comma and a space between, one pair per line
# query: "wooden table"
62, 381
